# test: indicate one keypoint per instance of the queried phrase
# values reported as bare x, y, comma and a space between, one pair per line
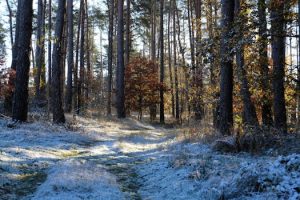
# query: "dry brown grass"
257, 140
198, 131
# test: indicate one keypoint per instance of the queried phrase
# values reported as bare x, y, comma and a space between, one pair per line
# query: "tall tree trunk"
177, 111
249, 112
266, 105
120, 65
192, 46
81, 70
49, 54
110, 55
298, 74
88, 55
198, 104
213, 77
278, 56
128, 24
191, 35
43, 89
76, 78
20, 103
17, 33
64, 55
226, 83
162, 67
186, 75
153, 31
170, 60
69, 93
153, 108
102, 87
40, 51
57, 107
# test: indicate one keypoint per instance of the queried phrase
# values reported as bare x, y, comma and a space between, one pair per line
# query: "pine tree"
120, 66
69, 92
278, 57
56, 92
20, 103
110, 55
40, 53
162, 66
226, 83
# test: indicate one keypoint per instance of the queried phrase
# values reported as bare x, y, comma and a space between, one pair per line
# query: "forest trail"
130, 143
96, 162
127, 159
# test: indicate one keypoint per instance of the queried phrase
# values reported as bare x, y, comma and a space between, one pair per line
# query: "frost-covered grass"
78, 179
46, 158
194, 171
126, 159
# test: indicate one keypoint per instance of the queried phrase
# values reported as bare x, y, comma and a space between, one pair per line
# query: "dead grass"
198, 131
257, 140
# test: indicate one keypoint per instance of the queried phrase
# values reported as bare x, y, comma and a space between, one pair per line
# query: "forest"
149, 99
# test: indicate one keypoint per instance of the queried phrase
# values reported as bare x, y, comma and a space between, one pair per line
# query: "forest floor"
127, 159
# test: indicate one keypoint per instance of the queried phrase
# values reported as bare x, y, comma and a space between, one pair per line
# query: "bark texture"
278, 57
226, 83
20, 103
57, 107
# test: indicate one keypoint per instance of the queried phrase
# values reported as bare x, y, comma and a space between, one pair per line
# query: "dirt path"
130, 147
40, 162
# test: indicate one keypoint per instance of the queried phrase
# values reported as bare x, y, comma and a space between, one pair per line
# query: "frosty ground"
127, 159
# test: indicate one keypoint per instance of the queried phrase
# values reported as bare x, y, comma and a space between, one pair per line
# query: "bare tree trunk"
76, 79
162, 67
153, 31
64, 55
20, 103
43, 89
191, 35
49, 54
226, 83
175, 62
17, 33
278, 56
249, 112
88, 55
120, 66
198, 80
81, 70
266, 104
213, 82
186, 77
153, 108
57, 107
298, 74
40, 52
170, 60
128, 24
102, 87
192, 41
69, 92
110, 55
